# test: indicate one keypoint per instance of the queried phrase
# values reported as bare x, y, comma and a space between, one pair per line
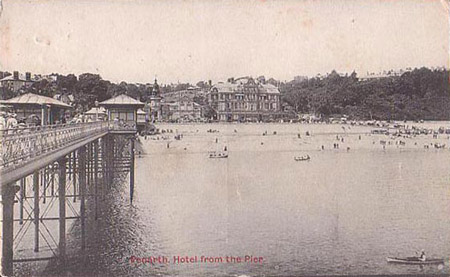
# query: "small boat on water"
413, 260
302, 158
218, 155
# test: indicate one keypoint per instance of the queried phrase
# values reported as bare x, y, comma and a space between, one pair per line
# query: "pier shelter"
97, 113
47, 109
141, 120
122, 112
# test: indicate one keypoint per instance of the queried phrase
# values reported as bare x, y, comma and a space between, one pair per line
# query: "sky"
193, 40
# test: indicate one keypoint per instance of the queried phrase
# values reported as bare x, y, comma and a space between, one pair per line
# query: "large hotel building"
245, 99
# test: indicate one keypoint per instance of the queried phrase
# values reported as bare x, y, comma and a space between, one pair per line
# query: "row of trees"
418, 94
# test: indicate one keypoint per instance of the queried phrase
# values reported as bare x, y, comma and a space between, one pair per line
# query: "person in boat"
422, 256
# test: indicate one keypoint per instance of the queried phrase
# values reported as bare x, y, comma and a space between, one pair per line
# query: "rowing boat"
304, 158
218, 155
413, 260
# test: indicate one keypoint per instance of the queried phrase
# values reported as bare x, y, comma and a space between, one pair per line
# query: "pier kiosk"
122, 113
122, 117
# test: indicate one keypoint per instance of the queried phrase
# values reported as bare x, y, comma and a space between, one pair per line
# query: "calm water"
342, 212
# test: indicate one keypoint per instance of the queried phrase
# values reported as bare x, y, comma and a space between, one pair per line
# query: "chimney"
28, 76
16, 75
2, 75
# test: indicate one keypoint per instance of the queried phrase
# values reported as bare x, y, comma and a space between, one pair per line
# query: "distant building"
16, 81
190, 92
153, 105
384, 74
182, 109
245, 99
64, 97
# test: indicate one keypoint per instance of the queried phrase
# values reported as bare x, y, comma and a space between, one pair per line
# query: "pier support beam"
36, 210
96, 179
53, 179
103, 169
132, 171
23, 185
74, 172
88, 165
110, 163
82, 183
8, 229
62, 209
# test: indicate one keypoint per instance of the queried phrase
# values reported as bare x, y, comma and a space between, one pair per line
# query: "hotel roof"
234, 87
34, 99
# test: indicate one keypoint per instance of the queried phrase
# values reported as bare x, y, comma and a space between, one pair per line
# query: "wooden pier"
63, 164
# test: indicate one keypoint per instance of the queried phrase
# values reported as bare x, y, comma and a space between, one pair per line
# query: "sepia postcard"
238, 138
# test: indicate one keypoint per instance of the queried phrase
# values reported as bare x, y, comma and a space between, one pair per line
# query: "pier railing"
122, 126
21, 144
